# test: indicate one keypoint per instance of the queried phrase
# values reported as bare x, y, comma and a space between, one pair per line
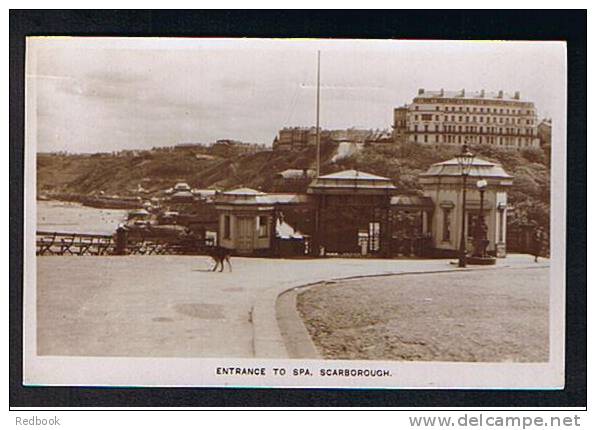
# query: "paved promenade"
173, 306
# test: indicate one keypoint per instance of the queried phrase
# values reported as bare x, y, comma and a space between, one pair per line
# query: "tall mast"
318, 136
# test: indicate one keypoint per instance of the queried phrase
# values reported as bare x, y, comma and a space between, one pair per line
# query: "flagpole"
318, 135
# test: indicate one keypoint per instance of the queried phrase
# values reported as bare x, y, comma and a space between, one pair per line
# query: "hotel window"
227, 227
263, 230
425, 138
446, 224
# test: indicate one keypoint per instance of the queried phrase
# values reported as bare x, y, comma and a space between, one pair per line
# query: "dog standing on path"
219, 255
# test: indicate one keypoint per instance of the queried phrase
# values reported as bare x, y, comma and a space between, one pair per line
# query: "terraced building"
457, 117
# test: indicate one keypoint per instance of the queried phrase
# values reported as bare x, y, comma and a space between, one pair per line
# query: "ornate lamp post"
480, 232
464, 159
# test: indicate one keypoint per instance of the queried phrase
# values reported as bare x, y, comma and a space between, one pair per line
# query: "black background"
569, 26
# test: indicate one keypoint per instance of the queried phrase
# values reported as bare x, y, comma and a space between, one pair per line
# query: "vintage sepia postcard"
294, 213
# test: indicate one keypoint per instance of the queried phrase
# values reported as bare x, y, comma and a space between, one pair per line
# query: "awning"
407, 202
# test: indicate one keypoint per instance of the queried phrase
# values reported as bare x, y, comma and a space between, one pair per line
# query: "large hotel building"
456, 117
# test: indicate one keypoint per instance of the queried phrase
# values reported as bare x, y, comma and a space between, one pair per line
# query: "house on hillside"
545, 132
293, 180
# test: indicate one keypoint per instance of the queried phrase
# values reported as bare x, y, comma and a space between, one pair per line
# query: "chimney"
516, 97
463, 92
481, 93
442, 92
420, 91
500, 94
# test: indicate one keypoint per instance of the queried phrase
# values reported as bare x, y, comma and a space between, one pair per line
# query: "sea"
70, 217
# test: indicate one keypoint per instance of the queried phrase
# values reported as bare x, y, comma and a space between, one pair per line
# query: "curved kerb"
268, 340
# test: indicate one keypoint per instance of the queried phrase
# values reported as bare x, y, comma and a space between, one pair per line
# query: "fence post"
121, 239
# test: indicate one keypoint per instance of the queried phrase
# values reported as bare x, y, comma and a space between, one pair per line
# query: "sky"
88, 95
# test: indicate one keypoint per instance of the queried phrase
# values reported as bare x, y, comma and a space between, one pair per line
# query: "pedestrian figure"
537, 240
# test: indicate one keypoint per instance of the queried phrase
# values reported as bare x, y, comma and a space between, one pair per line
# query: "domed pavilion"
442, 183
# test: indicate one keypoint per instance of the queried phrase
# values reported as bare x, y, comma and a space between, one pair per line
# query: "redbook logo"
37, 421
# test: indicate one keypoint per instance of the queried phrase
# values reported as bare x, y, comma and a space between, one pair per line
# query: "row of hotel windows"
460, 118
475, 129
519, 141
483, 110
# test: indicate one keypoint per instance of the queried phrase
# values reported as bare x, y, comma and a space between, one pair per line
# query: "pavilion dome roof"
347, 180
243, 192
183, 193
182, 186
354, 175
480, 168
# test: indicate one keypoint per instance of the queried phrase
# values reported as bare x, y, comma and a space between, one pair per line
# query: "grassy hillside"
159, 169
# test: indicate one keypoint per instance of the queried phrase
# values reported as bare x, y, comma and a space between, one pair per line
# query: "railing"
184, 246
59, 243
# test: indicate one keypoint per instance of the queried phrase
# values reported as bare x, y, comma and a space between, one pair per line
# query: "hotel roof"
470, 95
